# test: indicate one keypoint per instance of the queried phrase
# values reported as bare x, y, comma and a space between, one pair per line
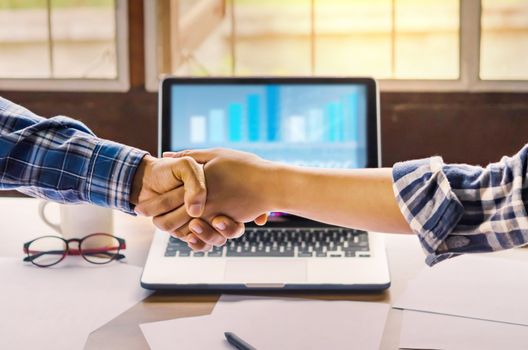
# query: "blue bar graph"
315, 125
234, 112
330, 120
361, 120
273, 103
265, 117
253, 108
352, 126
334, 121
340, 133
217, 131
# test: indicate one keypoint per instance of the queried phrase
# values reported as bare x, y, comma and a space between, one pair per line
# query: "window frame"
120, 84
469, 59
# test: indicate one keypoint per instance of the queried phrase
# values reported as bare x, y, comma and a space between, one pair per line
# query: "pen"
237, 342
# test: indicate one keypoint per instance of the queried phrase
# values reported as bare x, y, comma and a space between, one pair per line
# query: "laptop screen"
316, 122
307, 122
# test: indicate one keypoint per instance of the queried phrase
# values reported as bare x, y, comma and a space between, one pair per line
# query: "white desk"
19, 223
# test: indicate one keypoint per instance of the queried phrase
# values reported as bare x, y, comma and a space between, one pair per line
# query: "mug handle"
42, 214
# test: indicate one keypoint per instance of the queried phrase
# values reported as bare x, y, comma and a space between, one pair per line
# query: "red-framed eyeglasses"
97, 248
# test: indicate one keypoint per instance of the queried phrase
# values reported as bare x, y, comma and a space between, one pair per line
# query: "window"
504, 40
63, 44
407, 44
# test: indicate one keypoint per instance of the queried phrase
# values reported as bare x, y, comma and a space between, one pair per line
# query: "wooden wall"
462, 127
475, 128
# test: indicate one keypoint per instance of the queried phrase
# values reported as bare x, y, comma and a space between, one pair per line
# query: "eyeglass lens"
47, 251
100, 248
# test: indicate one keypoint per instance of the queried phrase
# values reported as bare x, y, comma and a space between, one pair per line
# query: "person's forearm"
141, 177
60, 159
357, 198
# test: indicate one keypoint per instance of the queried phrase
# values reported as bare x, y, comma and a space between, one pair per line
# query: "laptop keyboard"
284, 242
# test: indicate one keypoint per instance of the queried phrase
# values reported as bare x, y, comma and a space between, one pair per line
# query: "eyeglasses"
97, 248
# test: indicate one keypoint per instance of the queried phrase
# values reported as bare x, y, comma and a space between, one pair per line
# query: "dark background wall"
473, 128
462, 127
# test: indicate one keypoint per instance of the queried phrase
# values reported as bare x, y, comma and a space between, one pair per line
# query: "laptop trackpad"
265, 271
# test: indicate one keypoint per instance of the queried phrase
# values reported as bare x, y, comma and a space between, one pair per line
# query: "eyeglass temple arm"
33, 257
38, 255
107, 253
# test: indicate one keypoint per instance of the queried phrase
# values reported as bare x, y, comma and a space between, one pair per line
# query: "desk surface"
19, 222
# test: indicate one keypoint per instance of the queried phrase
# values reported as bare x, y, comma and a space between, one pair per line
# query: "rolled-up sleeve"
60, 159
457, 209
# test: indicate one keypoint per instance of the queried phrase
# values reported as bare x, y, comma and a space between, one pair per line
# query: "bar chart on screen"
236, 122
306, 125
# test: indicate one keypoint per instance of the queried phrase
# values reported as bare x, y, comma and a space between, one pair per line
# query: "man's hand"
181, 183
167, 176
238, 186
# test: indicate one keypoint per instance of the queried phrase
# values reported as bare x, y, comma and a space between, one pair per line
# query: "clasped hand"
203, 197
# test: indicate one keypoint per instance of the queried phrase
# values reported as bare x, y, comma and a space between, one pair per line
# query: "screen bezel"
373, 121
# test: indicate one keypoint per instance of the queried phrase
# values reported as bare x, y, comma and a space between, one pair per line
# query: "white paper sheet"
478, 287
275, 323
57, 308
423, 330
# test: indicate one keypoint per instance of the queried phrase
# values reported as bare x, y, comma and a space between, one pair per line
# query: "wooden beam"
163, 48
136, 43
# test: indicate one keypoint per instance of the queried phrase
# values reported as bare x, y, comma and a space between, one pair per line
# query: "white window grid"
469, 53
120, 84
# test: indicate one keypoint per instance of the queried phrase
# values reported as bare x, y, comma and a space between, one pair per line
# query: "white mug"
79, 220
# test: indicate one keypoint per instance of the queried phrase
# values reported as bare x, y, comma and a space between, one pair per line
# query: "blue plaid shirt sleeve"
60, 159
457, 209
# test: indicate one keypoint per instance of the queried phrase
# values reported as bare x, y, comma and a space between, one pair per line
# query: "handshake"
204, 197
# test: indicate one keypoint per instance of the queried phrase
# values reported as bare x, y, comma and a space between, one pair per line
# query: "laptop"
315, 122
